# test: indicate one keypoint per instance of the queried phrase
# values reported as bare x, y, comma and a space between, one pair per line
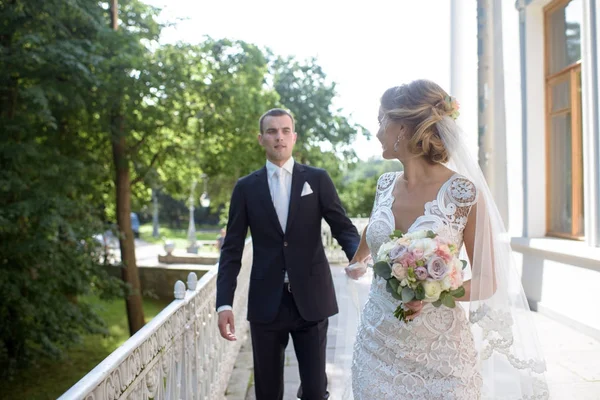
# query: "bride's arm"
362, 253
469, 236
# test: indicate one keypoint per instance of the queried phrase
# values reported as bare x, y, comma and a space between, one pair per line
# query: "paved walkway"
573, 359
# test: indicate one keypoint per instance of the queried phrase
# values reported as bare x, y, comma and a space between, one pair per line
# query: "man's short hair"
275, 112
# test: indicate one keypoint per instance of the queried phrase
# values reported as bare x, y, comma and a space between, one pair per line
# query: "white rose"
427, 246
446, 283
399, 272
458, 265
384, 250
432, 291
416, 235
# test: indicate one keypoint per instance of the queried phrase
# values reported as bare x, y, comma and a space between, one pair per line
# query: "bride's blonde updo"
420, 105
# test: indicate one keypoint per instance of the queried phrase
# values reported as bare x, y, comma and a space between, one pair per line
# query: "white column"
591, 110
463, 65
492, 119
513, 123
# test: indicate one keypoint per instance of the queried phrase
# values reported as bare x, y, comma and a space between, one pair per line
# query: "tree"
357, 192
224, 95
49, 182
304, 89
120, 94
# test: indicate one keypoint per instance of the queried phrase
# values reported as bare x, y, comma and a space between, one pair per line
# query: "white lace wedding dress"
433, 357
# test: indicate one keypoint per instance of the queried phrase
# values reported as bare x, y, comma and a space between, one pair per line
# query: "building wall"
560, 276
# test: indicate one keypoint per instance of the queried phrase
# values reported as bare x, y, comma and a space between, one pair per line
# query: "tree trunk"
130, 273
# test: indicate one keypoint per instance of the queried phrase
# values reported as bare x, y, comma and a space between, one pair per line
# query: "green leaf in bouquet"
448, 300
383, 269
394, 284
437, 303
420, 292
397, 234
392, 288
411, 274
464, 263
407, 294
460, 292
400, 313
431, 234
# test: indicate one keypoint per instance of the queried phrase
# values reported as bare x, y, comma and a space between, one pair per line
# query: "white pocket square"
306, 190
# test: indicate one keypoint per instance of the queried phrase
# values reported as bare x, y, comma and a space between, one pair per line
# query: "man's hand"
226, 325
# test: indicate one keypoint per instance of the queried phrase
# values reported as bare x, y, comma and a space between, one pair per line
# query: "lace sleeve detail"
384, 183
463, 194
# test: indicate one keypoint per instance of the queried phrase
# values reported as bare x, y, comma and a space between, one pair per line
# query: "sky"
364, 47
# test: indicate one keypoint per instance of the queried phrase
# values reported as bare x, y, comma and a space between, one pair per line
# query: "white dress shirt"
286, 172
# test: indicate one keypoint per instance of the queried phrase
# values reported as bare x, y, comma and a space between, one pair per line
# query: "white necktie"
281, 200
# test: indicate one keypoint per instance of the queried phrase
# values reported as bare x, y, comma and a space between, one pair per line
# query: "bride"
486, 347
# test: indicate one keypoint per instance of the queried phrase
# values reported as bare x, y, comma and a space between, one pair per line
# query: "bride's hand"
416, 306
356, 270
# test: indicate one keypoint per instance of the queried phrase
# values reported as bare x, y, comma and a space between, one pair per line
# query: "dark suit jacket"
299, 250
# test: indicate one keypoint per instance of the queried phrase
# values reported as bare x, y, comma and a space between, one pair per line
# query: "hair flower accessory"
453, 104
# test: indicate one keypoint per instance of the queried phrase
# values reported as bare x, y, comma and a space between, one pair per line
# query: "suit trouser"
269, 341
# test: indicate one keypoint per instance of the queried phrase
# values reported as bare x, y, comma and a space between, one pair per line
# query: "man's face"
278, 138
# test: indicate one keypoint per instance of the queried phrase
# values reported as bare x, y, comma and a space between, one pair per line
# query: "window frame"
572, 74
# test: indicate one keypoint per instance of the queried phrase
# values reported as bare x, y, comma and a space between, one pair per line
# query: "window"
563, 119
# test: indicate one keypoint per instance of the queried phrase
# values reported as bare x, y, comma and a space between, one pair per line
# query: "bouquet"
423, 266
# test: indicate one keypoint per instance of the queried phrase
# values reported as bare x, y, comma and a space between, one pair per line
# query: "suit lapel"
298, 180
262, 188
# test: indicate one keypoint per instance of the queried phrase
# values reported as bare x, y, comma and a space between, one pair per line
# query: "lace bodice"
433, 357
446, 214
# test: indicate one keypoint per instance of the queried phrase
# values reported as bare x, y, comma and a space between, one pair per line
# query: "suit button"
285, 244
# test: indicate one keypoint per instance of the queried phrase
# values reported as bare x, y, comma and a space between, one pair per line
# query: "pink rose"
399, 271
443, 251
418, 254
456, 277
407, 259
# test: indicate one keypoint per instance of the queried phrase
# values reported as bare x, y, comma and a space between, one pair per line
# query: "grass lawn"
179, 237
50, 379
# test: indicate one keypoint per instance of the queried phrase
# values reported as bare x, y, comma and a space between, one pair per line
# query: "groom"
291, 288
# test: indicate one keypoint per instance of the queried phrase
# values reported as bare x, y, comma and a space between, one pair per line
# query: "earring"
400, 137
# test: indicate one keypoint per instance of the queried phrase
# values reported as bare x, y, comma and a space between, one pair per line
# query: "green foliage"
178, 236
383, 269
460, 292
447, 300
407, 294
50, 201
358, 186
324, 134
48, 379
358, 196
420, 292
397, 234
372, 168
392, 287
70, 87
